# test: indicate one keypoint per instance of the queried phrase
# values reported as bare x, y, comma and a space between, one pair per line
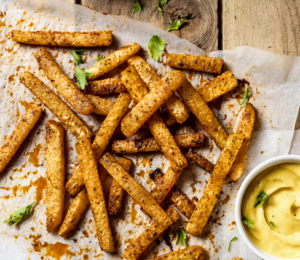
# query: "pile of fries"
156, 104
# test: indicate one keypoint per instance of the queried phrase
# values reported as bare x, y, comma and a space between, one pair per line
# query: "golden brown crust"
203, 113
173, 105
245, 127
151, 102
113, 60
150, 145
110, 124
75, 183
74, 214
176, 197
191, 253
218, 86
22, 129
52, 38
116, 193
201, 161
200, 63
102, 105
135, 190
88, 168
214, 186
62, 83
70, 120
55, 156
105, 86
140, 244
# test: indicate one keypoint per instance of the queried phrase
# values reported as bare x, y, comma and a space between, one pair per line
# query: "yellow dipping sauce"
282, 207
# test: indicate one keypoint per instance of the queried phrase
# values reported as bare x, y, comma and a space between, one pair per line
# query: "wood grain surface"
272, 25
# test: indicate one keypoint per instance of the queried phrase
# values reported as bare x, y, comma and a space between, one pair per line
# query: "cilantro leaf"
176, 25
272, 223
156, 46
162, 2
81, 77
181, 236
261, 197
234, 239
19, 215
77, 56
137, 7
248, 222
245, 97
100, 58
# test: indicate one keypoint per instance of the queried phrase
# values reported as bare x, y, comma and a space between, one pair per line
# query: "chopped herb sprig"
156, 46
234, 239
248, 222
19, 215
81, 77
181, 236
260, 199
176, 25
77, 55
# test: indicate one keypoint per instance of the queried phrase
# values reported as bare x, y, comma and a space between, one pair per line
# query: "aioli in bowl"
277, 221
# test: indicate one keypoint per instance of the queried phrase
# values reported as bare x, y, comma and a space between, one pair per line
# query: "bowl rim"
238, 204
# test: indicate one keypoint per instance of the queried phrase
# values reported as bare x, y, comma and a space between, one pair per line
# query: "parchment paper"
275, 87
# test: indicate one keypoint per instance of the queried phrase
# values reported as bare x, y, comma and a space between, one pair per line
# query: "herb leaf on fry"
100, 58
156, 46
181, 236
137, 7
176, 25
234, 239
81, 77
245, 97
19, 214
248, 222
77, 55
272, 223
261, 197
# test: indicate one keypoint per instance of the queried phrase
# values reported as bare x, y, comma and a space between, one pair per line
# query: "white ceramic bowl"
238, 204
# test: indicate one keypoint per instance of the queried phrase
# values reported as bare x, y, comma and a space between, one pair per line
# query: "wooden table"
220, 24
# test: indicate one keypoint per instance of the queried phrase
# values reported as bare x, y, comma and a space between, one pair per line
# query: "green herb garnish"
162, 2
272, 223
19, 215
245, 97
100, 58
156, 46
77, 55
181, 236
81, 77
261, 197
176, 25
248, 222
234, 239
137, 7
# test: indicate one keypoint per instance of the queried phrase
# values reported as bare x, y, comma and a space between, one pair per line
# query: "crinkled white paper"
275, 89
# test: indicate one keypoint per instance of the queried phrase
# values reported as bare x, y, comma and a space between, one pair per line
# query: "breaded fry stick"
62, 83
173, 105
150, 145
157, 127
140, 244
116, 193
102, 106
218, 86
74, 214
245, 127
177, 197
55, 156
52, 38
214, 186
192, 252
70, 120
22, 129
203, 113
201, 161
88, 167
151, 102
105, 86
135, 190
200, 63
113, 60
102, 138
